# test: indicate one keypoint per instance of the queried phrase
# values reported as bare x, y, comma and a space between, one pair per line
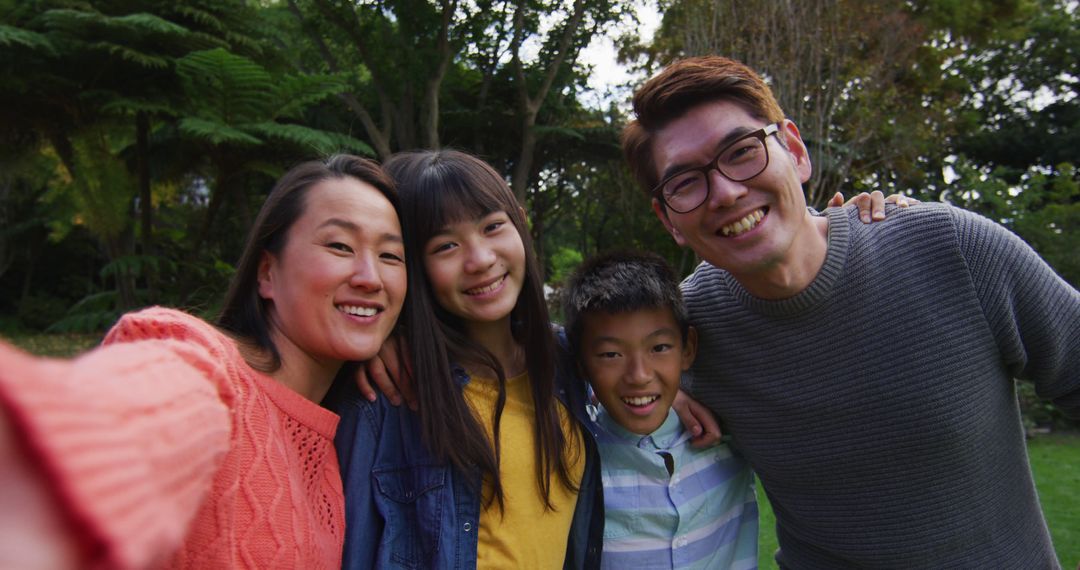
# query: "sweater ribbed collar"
820, 289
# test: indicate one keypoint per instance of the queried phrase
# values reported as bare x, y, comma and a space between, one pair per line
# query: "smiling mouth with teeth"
640, 401
486, 288
358, 311
747, 223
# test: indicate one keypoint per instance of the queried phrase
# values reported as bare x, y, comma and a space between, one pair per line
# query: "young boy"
667, 504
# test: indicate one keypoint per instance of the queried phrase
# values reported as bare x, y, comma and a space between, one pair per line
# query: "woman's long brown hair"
438, 188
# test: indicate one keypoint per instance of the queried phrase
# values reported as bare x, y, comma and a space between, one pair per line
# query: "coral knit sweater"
165, 449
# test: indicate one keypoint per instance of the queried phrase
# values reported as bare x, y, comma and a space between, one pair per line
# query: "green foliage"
216, 133
39, 311
10, 36
138, 265
319, 142
91, 314
238, 103
1039, 413
1042, 207
99, 189
563, 262
227, 88
228, 94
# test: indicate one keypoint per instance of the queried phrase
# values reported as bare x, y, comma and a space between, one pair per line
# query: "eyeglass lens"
743, 160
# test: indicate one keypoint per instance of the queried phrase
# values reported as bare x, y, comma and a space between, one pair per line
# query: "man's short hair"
680, 87
621, 282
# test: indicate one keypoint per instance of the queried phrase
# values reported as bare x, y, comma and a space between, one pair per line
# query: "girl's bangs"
448, 197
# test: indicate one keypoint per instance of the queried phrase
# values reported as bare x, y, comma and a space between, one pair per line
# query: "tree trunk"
146, 202
529, 105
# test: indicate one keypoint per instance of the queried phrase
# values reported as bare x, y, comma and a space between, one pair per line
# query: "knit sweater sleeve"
127, 437
1033, 313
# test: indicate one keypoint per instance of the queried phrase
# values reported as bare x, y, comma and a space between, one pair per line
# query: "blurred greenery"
54, 345
138, 138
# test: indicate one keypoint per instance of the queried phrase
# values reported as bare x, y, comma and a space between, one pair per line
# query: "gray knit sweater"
878, 405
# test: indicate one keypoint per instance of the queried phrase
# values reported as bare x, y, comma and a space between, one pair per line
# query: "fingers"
681, 406
710, 428
697, 419
877, 206
363, 384
836, 201
871, 206
377, 372
901, 200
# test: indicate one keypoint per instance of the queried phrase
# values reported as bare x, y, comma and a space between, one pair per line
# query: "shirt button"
680, 542
467, 527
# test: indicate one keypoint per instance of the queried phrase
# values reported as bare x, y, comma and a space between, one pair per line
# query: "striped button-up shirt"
669, 505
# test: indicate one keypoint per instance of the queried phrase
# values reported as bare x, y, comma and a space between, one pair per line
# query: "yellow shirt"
523, 534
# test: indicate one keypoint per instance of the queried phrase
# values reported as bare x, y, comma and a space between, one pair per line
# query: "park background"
138, 138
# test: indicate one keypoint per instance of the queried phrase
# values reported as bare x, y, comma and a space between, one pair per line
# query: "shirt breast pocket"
411, 501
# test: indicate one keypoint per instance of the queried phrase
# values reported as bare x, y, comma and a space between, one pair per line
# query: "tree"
1014, 159
236, 109
860, 78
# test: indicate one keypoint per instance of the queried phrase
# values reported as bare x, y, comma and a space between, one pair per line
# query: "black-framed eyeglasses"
739, 161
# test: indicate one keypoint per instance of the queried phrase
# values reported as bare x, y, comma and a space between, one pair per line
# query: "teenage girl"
496, 469
181, 444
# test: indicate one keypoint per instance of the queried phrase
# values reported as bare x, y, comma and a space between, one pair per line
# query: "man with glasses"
908, 458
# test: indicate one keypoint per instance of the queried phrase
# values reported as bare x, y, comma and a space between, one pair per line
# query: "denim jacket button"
467, 527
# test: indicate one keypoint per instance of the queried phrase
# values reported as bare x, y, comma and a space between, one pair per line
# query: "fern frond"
245, 42
134, 56
345, 142
71, 21
125, 106
216, 133
294, 93
230, 88
86, 23
203, 41
202, 17
10, 35
147, 24
548, 130
319, 141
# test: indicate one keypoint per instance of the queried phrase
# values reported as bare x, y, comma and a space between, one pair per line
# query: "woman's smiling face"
477, 267
338, 284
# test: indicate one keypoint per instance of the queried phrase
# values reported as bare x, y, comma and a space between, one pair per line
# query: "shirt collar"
669, 434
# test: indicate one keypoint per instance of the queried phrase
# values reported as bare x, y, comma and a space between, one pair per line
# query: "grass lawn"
1055, 460
54, 344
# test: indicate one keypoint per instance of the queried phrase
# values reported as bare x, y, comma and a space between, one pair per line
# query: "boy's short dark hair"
621, 282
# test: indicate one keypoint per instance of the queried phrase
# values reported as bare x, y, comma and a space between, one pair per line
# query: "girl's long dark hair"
438, 188
244, 313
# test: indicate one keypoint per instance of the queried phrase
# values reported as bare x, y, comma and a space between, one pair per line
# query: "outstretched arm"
1033, 313
33, 527
109, 455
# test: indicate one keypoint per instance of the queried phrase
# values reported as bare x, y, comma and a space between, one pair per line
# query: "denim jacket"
405, 509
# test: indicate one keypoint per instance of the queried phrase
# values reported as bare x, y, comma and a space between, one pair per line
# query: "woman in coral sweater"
187, 445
